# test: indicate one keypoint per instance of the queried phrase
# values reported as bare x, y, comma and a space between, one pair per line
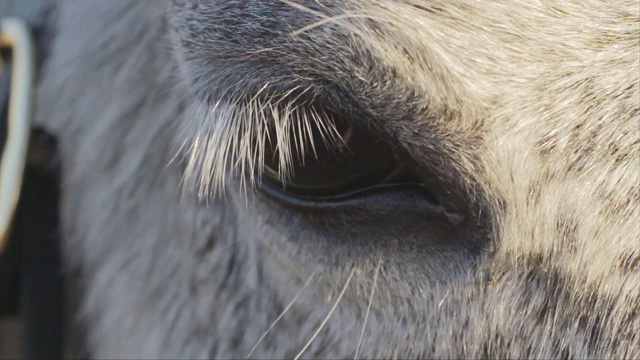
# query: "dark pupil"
359, 162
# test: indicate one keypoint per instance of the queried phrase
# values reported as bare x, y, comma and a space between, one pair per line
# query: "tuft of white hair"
231, 138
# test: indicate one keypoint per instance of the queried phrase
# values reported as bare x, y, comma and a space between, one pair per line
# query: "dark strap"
30, 270
36, 229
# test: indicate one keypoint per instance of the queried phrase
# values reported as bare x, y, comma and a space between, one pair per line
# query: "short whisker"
366, 316
326, 319
286, 309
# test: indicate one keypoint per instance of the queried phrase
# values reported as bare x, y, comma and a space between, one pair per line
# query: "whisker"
366, 316
326, 319
303, 8
333, 19
286, 309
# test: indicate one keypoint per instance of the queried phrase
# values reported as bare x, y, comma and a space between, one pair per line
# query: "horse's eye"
353, 164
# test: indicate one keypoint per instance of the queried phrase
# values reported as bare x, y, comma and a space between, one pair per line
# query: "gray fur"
528, 111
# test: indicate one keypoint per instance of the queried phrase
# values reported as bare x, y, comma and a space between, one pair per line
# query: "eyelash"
236, 132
